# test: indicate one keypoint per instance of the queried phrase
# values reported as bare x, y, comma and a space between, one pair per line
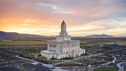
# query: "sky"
83, 17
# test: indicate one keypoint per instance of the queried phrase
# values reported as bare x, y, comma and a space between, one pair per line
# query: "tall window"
54, 46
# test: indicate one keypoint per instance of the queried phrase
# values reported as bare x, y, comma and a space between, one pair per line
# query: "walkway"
121, 66
50, 66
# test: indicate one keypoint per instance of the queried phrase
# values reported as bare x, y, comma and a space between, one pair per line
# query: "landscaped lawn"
30, 55
67, 62
106, 69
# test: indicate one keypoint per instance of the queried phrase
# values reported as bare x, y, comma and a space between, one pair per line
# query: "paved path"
113, 61
121, 66
50, 66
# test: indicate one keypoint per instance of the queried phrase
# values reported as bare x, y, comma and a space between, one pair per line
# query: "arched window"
54, 45
50, 45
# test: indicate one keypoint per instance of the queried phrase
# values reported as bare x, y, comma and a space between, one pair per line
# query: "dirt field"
40, 43
18, 43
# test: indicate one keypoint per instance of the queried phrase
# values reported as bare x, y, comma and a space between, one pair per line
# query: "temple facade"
62, 46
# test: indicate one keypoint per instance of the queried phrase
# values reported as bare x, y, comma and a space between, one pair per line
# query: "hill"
100, 36
14, 35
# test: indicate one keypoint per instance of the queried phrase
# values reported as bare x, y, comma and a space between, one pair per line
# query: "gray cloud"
78, 10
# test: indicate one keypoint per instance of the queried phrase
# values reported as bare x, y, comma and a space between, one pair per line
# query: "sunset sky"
83, 17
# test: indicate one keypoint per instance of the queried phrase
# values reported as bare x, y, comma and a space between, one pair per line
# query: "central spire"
63, 32
63, 27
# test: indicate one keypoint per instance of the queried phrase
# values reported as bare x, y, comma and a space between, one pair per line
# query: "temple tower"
62, 46
63, 32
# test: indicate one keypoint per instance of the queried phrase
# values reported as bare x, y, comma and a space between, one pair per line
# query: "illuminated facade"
63, 46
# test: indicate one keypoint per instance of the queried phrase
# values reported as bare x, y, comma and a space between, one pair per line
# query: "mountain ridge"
18, 35
99, 36
14, 35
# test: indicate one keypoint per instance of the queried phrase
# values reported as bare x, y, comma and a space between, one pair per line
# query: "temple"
62, 46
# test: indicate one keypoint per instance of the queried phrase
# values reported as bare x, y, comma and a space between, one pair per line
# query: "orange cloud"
43, 17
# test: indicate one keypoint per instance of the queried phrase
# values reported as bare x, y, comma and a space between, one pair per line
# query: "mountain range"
99, 36
14, 35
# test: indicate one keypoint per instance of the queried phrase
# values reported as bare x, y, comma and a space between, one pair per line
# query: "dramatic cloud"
83, 17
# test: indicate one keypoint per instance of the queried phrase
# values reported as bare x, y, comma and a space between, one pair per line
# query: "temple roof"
63, 22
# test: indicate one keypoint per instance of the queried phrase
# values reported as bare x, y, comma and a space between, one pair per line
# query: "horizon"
68, 34
82, 17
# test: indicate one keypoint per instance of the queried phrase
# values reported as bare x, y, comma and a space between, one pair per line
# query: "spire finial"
63, 22
63, 29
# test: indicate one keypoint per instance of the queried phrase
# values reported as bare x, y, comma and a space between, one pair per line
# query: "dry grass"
21, 43
36, 43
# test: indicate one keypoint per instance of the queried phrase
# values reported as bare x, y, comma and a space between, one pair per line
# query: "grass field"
106, 69
39, 43
23, 43
99, 42
11, 42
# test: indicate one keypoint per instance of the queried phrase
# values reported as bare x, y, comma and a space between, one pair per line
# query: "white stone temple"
62, 46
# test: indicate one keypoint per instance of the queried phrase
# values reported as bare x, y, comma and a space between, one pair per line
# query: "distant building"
63, 46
